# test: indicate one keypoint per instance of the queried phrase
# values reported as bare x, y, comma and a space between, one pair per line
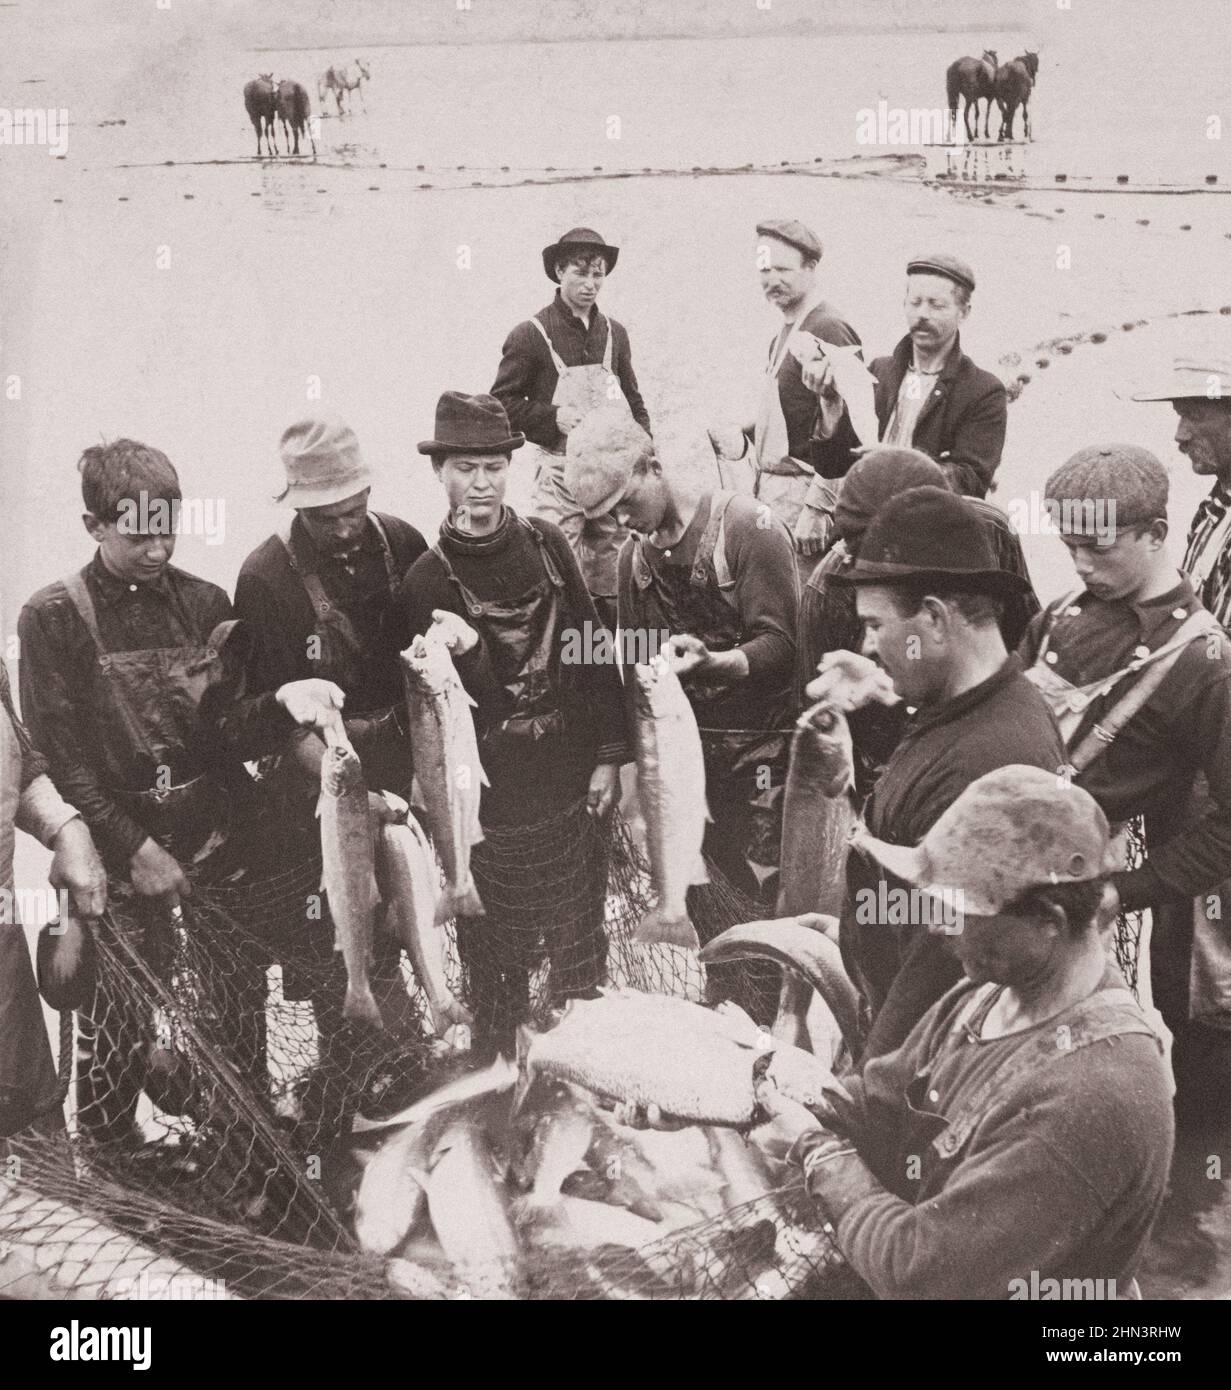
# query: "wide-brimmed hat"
931, 535
1206, 375
323, 464
471, 425
1015, 828
578, 239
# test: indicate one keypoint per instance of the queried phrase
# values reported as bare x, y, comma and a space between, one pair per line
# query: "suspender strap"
558, 361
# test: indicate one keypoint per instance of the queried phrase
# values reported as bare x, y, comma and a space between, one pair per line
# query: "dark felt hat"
471, 425
932, 535
943, 264
578, 239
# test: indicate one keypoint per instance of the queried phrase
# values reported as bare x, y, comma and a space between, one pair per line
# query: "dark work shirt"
526, 379
529, 779
904, 969
830, 457
272, 599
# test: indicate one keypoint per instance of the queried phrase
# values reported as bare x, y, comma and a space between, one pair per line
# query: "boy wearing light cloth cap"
1016, 1145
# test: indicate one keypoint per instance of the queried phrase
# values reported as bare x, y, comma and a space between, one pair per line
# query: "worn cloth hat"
943, 264
1012, 829
471, 425
930, 534
323, 464
600, 456
1108, 485
1207, 375
794, 233
578, 239
873, 479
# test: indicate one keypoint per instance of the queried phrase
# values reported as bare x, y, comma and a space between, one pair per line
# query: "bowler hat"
578, 239
931, 535
323, 464
942, 263
471, 425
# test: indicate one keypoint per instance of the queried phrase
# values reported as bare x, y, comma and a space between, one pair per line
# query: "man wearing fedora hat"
929, 592
929, 394
1015, 1145
555, 368
509, 595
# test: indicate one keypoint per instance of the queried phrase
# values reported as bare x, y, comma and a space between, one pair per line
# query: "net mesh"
217, 1083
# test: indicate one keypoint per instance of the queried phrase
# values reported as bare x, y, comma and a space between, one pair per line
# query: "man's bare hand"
604, 787
77, 869
849, 681
818, 377
313, 704
458, 635
157, 874
688, 654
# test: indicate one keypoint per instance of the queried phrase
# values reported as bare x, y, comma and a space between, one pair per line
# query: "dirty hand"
787, 1118
314, 703
383, 813
568, 417
818, 378
604, 787
76, 868
688, 654
157, 874
459, 636
849, 681
728, 441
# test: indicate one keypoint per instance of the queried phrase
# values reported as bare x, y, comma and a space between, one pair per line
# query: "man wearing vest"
718, 573
1018, 1139
130, 670
1139, 674
550, 723
558, 366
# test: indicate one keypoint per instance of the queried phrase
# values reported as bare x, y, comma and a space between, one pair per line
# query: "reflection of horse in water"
972, 80
1014, 83
260, 101
983, 163
294, 108
341, 79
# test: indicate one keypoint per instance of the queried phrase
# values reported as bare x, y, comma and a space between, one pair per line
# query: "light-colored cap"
600, 455
1012, 829
323, 464
1206, 375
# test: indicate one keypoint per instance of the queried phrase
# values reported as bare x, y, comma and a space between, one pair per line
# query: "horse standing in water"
340, 79
294, 108
1014, 83
260, 101
973, 80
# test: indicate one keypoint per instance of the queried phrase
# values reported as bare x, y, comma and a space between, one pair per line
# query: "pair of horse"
985, 79
341, 80
266, 101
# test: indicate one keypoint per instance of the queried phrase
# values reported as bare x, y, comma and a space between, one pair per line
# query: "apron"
585, 388
521, 639
153, 696
782, 481
744, 836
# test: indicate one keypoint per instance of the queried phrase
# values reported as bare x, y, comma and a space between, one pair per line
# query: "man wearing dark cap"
509, 596
558, 366
929, 394
801, 445
929, 594
1139, 675
1016, 1145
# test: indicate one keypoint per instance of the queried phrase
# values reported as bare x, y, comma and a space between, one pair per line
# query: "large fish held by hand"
348, 855
447, 768
671, 781
818, 814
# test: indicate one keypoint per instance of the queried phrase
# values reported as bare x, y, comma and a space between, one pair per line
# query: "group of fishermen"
997, 745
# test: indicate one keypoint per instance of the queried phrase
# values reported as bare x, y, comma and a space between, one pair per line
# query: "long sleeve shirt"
526, 378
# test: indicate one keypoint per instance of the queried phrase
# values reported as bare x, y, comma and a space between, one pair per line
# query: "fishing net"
217, 1083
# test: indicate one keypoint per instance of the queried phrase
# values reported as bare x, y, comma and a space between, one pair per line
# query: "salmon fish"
818, 814
671, 782
407, 871
645, 1049
447, 768
348, 855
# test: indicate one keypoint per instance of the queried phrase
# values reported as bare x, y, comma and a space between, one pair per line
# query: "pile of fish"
632, 1120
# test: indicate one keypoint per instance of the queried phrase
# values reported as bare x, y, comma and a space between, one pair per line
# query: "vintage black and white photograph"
615, 663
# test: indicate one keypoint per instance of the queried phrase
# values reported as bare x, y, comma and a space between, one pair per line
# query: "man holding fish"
502, 593
718, 573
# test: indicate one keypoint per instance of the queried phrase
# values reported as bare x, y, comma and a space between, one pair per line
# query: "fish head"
341, 771
429, 664
828, 736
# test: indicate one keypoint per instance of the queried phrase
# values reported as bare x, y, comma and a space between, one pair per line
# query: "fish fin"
361, 1007
671, 931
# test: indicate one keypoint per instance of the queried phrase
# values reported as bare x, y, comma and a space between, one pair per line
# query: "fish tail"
460, 902
657, 926
361, 1007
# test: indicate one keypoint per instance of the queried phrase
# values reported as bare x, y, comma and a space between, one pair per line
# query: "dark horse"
972, 79
294, 109
260, 101
1014, 83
